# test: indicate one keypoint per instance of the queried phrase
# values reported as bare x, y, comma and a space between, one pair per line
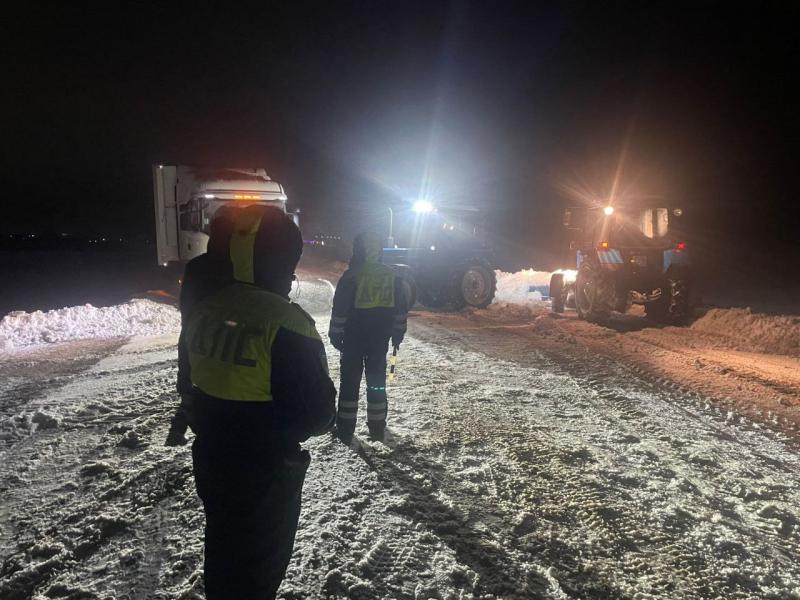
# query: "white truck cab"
186, 199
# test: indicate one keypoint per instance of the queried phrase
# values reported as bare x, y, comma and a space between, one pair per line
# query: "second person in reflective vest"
369, 309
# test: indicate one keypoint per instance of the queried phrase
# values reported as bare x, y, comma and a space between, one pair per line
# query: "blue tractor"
627, 255
447, 263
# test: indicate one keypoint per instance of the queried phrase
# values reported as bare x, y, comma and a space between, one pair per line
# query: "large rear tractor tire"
589, 300
557, 292
474, 286
664, 311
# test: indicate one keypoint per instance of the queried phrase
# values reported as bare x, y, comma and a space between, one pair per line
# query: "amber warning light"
603, 245
246, 197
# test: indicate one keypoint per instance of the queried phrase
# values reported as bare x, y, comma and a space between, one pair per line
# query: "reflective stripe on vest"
374, 286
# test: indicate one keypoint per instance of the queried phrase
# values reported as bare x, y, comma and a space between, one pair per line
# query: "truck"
187, 197
625, 254
448, 263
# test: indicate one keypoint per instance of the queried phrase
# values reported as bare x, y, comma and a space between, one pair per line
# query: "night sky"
356, 105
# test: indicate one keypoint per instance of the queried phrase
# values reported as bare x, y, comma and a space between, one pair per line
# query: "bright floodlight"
609, 210
422, 206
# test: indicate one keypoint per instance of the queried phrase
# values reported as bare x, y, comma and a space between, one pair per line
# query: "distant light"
680, 246
161, 167
322, 242
433, 248
604, 245
422, 206
608, 210
208, 196
677, 212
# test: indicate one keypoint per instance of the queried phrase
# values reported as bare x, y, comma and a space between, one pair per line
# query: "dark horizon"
352, 109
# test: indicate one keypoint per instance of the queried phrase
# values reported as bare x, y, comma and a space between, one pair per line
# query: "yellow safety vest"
374, 286
230, 339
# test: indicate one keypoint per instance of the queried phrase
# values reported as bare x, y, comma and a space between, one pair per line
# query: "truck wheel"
474, 287
588, 294
557, 292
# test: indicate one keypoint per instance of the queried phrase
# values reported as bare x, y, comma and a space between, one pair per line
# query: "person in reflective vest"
261, 384
369, 309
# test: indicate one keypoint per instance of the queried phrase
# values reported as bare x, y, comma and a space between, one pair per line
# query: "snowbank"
753, 331
523, 287
137, 317
526, 287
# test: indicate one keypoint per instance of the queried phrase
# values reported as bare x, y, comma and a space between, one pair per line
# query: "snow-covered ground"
513, 471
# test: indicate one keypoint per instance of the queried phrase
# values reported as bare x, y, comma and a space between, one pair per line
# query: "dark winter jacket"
260, 369
257, 361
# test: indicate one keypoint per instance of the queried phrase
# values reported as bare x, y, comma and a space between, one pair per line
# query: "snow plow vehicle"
626, 255
448, 263
186, 199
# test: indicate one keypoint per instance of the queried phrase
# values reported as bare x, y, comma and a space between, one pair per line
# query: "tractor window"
654, 222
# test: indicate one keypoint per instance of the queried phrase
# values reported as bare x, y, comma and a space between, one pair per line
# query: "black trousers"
250, 526
369, 358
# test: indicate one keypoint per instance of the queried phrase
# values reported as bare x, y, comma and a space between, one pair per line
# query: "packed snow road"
511, 472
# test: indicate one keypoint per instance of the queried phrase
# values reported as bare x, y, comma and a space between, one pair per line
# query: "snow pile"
523, 287
137, 317
753, 331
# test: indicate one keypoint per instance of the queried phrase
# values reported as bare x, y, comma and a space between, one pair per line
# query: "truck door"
164, 181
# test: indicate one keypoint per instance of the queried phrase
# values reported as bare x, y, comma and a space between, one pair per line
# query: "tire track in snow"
634, 447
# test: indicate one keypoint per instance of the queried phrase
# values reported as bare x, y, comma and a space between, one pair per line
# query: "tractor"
626, 254
447, 263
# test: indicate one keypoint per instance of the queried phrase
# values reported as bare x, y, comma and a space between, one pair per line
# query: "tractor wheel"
659, 311
474, 286
557, 292
588, 294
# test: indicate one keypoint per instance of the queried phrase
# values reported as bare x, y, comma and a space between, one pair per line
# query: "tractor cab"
650, 227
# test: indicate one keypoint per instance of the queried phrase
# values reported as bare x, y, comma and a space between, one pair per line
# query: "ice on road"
509, 473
